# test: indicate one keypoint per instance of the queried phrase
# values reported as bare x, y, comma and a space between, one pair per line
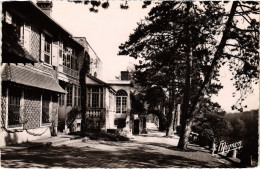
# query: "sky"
108, 28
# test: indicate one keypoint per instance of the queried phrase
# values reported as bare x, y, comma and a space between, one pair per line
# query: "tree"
241, 42
164, 52
245, 54
211, 118
156, 100
153, 98
82, 79
178, 30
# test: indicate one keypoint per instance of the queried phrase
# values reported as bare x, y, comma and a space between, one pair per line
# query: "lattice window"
121, 101
14, 107
46, 100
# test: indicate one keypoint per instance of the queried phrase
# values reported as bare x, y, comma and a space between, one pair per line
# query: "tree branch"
217, 56
252, 67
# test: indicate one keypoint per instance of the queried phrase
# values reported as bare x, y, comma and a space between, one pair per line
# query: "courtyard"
152, 150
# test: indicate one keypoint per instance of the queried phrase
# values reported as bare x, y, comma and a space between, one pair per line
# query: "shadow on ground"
126, 155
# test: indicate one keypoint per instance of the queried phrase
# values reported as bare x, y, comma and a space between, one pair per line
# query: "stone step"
51, 140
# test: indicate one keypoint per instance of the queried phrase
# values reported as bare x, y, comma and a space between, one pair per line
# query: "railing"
95, 118
69, 71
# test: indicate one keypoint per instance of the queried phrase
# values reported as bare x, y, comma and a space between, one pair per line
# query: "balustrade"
70, 72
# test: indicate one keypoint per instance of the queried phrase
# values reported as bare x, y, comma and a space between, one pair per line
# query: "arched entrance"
152, 122
157, 117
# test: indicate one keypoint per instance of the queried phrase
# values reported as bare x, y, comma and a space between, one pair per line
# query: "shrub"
106, 136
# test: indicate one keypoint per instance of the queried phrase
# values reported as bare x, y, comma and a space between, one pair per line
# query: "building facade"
41, 64
39, 60
108, 103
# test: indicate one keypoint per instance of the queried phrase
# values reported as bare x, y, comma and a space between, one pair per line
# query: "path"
145, 151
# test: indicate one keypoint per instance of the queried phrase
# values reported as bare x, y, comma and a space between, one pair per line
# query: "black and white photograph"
129, 84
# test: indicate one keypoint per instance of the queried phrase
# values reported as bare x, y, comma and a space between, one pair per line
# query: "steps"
59, 140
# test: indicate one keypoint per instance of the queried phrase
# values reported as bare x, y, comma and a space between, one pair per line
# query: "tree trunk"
162, 122
170, 115
184, 136
83, 72
188, 114
185, 116
169, 127
144, 131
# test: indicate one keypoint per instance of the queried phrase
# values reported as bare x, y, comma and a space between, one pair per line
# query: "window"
68, 61
95, 97
60, 49
121, 101
62, 96
69, 95
18, 24
77, 92
64, 63
8, 18
120, 123
46, 100
14, 107
47, 50
61, 100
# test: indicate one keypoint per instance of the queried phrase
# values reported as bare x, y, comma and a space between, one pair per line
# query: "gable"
92, 81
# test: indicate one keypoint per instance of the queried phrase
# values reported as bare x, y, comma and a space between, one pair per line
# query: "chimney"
46, 6
125, 75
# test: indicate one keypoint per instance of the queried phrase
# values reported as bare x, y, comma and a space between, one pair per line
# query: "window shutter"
42, 47
27, 32
55, 53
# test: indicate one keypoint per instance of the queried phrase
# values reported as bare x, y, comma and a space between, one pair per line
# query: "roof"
55, 22
28, 77
27, 8
83, 41
12, 51
119, 82
100, 82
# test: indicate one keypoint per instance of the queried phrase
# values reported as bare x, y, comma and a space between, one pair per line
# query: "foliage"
95, 5
162, 52
72, 115
136, 104
106, 136
245, 128
210, 123
188, 42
